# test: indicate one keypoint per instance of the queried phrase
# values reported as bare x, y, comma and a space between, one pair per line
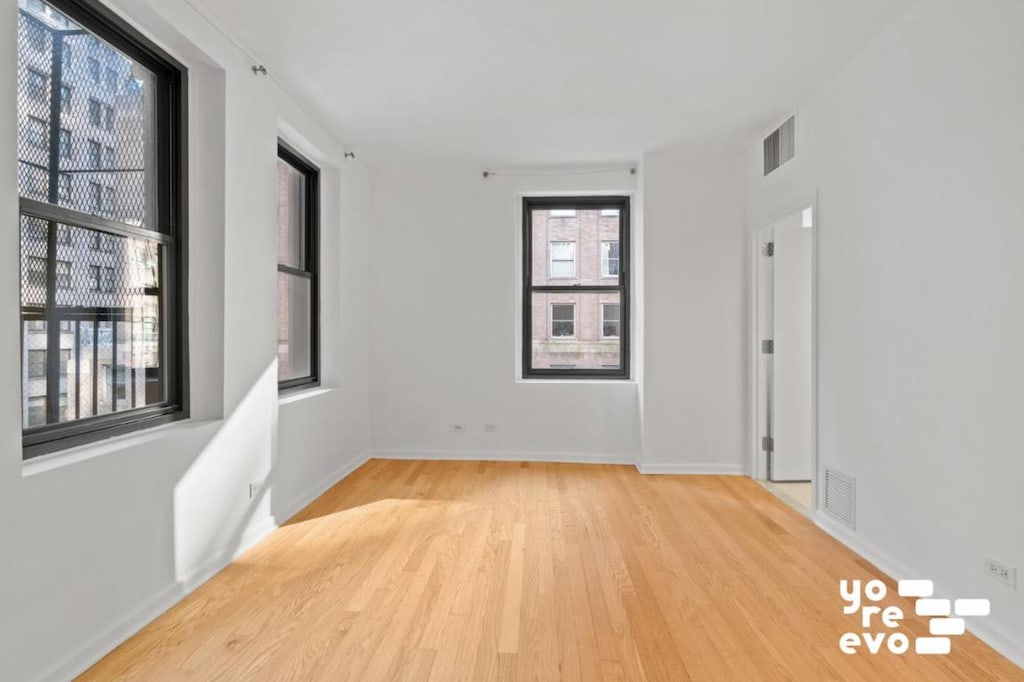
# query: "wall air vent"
841, 496
780, 146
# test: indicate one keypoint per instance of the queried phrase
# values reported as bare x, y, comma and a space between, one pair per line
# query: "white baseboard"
897, 570
296, 505
99, 646
503, 456
681, 468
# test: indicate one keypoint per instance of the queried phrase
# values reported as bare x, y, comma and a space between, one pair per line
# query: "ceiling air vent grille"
780, 146
841, 496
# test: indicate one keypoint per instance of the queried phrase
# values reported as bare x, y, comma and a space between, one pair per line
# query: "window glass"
100, 333
575, 301
297, 310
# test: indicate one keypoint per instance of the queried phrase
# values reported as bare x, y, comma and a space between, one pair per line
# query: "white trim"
102, 644
758, 463
505, 456
897, 570
551, 258
605, 261
694, 469
292, 508
106, 641
602, 304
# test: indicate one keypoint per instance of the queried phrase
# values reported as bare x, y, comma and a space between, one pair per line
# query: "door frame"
758, 458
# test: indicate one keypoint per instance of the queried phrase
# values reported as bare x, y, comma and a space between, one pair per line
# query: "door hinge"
768, 346
769, 249
768, 444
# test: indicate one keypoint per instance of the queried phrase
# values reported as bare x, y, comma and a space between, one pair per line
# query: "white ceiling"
562, 81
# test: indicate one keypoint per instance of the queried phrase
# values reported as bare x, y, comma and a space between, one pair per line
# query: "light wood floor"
504, 571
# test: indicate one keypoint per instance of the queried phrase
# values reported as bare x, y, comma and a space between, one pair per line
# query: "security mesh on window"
107, 301
85, 118
91, 295
102, 271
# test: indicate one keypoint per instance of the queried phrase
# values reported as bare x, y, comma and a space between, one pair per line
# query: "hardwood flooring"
482, 571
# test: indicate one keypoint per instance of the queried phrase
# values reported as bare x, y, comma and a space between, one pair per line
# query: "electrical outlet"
1004, 573
256, 487
458, 428
490, 428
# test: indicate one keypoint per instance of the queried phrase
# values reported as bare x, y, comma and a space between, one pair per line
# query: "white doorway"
784, 343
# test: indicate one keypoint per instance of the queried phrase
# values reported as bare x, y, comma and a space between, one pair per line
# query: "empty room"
432, 341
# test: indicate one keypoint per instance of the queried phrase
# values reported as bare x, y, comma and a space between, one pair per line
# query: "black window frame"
169, 230
622, 286
311, 269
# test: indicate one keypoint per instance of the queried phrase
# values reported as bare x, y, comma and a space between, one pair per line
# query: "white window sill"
82, 453
600, 382
299, 394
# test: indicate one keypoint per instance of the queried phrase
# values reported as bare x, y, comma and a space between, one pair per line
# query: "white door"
791, 400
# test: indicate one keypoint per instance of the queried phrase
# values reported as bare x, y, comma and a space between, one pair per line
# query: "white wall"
444, 287
97, 541
695, 291
917, 150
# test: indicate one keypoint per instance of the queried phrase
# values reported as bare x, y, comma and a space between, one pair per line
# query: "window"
563, 320
36, 364
102, 242
298, 308
95, 113
65, 187
610, 320
36, 134
563, 260
101, 115
115, 318
35, 273
63, 272
102, 278
610, 259
36, 86
65, 143
96, 196
94, 154
575, 295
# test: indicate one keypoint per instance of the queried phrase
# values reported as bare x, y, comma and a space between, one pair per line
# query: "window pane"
610, 320
291, 216
107, 303
573, 248
294, 333
568, 330
116, 112
610, 258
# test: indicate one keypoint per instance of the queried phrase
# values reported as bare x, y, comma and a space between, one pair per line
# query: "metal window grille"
101, 287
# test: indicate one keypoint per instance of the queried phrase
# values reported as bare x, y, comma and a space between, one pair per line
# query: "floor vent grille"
841, 496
